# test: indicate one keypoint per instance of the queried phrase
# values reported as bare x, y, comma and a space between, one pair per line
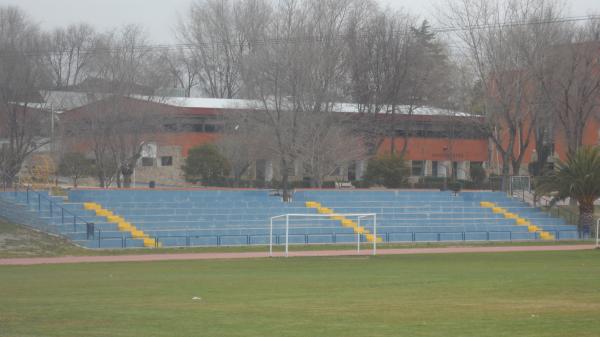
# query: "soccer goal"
364, 224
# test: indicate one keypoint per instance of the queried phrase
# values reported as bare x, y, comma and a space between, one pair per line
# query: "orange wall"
590, 137
440, 149
186, 140
504, 136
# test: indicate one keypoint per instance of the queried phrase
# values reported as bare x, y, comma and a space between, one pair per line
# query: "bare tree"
22, 75
125, 113
296, 78
326, 148
70, 52
221, 33
243, 142
570, 80
395, 67
183, 67
503, 55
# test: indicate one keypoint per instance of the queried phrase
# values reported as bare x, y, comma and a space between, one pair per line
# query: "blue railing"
249, 240
32, 196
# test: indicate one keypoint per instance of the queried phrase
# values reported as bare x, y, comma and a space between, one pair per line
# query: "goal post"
359, 217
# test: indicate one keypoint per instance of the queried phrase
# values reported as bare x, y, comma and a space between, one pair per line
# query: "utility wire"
276, 41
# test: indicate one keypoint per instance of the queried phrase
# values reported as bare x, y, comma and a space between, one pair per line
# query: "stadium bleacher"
151, 218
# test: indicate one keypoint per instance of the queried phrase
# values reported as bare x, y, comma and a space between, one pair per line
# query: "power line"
299, 40
516, 24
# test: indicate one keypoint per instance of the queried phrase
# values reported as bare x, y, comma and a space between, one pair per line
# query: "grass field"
509, 294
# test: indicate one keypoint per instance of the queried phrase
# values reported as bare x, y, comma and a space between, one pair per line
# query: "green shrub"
205, 164
478, 174
387, 170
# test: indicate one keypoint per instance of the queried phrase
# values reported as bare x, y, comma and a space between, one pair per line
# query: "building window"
147, 161
166, 161
210, 128
170, 127
434, 168
418, 167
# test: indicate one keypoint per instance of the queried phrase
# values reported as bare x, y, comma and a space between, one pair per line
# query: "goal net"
329, 228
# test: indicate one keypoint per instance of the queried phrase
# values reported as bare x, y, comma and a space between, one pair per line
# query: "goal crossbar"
357, 216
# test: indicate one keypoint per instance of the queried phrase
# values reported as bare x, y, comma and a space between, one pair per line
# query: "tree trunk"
101, 180
127, 180
586, 218
75, 182
506, 172
516, 166
285, 185
127, 173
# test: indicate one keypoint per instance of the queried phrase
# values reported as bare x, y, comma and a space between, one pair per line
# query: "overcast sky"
160, 16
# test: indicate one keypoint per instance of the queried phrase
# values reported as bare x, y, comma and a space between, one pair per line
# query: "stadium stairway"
544, 235
361, 230
122, 224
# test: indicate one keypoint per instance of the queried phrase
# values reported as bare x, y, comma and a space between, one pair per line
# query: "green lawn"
510, 294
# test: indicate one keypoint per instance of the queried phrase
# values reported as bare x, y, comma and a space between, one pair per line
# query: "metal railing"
37, 199
123, 241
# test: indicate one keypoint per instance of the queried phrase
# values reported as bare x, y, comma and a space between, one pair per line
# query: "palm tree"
579, 179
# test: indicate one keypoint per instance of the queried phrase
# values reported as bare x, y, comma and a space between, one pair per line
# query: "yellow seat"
359, 230
124, 226
148, 242
137, 234
90, 205
348, 223
324, 210
114, 218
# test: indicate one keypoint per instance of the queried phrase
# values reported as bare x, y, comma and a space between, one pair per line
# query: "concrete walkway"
254, 255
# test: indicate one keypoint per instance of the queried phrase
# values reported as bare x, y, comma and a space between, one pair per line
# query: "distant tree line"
515, 62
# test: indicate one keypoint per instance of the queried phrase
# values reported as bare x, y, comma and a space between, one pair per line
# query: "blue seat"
241, 217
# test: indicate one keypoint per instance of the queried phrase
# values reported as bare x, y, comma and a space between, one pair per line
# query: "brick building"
438, 142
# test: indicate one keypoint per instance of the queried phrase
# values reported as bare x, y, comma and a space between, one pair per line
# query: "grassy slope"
510, 294
20, 241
